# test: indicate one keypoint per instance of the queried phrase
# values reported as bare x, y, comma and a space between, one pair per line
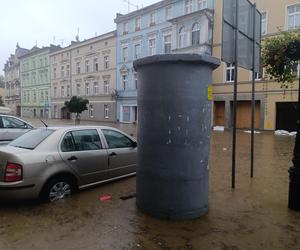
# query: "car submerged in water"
53, 163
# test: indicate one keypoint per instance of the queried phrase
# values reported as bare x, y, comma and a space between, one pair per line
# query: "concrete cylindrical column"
174, 124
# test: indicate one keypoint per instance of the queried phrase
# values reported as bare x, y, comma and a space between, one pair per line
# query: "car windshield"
31, 139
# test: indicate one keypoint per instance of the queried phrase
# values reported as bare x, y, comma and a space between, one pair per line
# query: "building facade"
12, 98
35, 82
85, 69
169, 26
275, 106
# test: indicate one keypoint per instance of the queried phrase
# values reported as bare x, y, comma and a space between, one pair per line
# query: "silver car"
11, 128
53, 163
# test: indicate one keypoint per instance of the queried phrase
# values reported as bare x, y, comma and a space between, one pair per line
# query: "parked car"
11, 128
53, 163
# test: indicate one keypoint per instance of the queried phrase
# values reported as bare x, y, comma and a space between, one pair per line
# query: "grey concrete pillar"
174, 134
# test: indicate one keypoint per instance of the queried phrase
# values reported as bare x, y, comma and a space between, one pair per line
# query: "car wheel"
58, 189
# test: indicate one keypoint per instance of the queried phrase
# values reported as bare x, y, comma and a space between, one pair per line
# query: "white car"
11, 128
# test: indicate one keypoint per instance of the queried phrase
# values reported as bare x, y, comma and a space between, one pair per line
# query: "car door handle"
113, 154
73, 158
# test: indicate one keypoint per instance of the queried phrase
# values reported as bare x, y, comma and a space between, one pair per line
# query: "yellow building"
275, 107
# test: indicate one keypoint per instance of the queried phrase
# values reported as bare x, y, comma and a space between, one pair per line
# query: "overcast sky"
31, 22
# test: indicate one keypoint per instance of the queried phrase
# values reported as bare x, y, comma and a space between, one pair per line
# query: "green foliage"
1, 81
1, 101
77, 105
279, 55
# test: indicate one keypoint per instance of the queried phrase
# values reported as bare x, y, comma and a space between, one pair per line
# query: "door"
286, 116
219, 113
82, 150
12, 128
122, 152
244, 115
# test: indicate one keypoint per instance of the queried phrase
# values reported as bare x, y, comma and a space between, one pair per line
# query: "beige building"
12, 97
275, 107
2, 93
86, 69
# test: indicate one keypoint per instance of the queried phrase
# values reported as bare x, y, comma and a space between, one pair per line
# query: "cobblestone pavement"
254, 216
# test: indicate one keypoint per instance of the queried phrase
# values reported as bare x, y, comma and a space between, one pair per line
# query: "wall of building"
268, 92
95, 81
35, 84
169, 17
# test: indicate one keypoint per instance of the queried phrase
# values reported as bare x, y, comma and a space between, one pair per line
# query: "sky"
41, 22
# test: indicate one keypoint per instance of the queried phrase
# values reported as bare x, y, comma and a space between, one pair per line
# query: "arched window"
182, 37
196, 34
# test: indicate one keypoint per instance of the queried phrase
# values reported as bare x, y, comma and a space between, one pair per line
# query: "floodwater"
254, 216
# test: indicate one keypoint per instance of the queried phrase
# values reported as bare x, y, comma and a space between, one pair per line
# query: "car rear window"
32, 139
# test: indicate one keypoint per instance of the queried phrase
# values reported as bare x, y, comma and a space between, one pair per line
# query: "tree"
1, 81
280, 53
77, 105
1, 101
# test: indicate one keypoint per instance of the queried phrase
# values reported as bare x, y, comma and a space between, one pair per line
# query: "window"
296, 69
68, 70
294, 16
87, 89
78, 67
116, 139
96, 66
152, 47
106, 87
136, 79
182, 38
125, 28
91, 108
42, 97
202, 4
47, 96
188, 6
34, 96
87, 66
55, 112
258, 76
32, 139
62, 91
54, 73
81, 140
96, 88
125, 54
264, 23
106, 62
55, 91
168, 12
62, 74
10, 122
138, 21
167, 44
230, 72
124, 81
137, 51
196, 34
78, 88
106, 112
68, 90
152, 18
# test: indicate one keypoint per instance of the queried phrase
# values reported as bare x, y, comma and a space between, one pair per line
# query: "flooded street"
254, 216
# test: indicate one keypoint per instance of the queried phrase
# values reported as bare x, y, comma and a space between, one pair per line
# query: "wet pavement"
254, 216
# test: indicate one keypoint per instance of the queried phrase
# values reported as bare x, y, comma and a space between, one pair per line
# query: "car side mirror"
134, 144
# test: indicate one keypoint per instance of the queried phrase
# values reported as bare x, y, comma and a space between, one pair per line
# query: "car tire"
58, 188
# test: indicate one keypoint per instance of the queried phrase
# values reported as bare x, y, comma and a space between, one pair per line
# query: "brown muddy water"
254, 216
